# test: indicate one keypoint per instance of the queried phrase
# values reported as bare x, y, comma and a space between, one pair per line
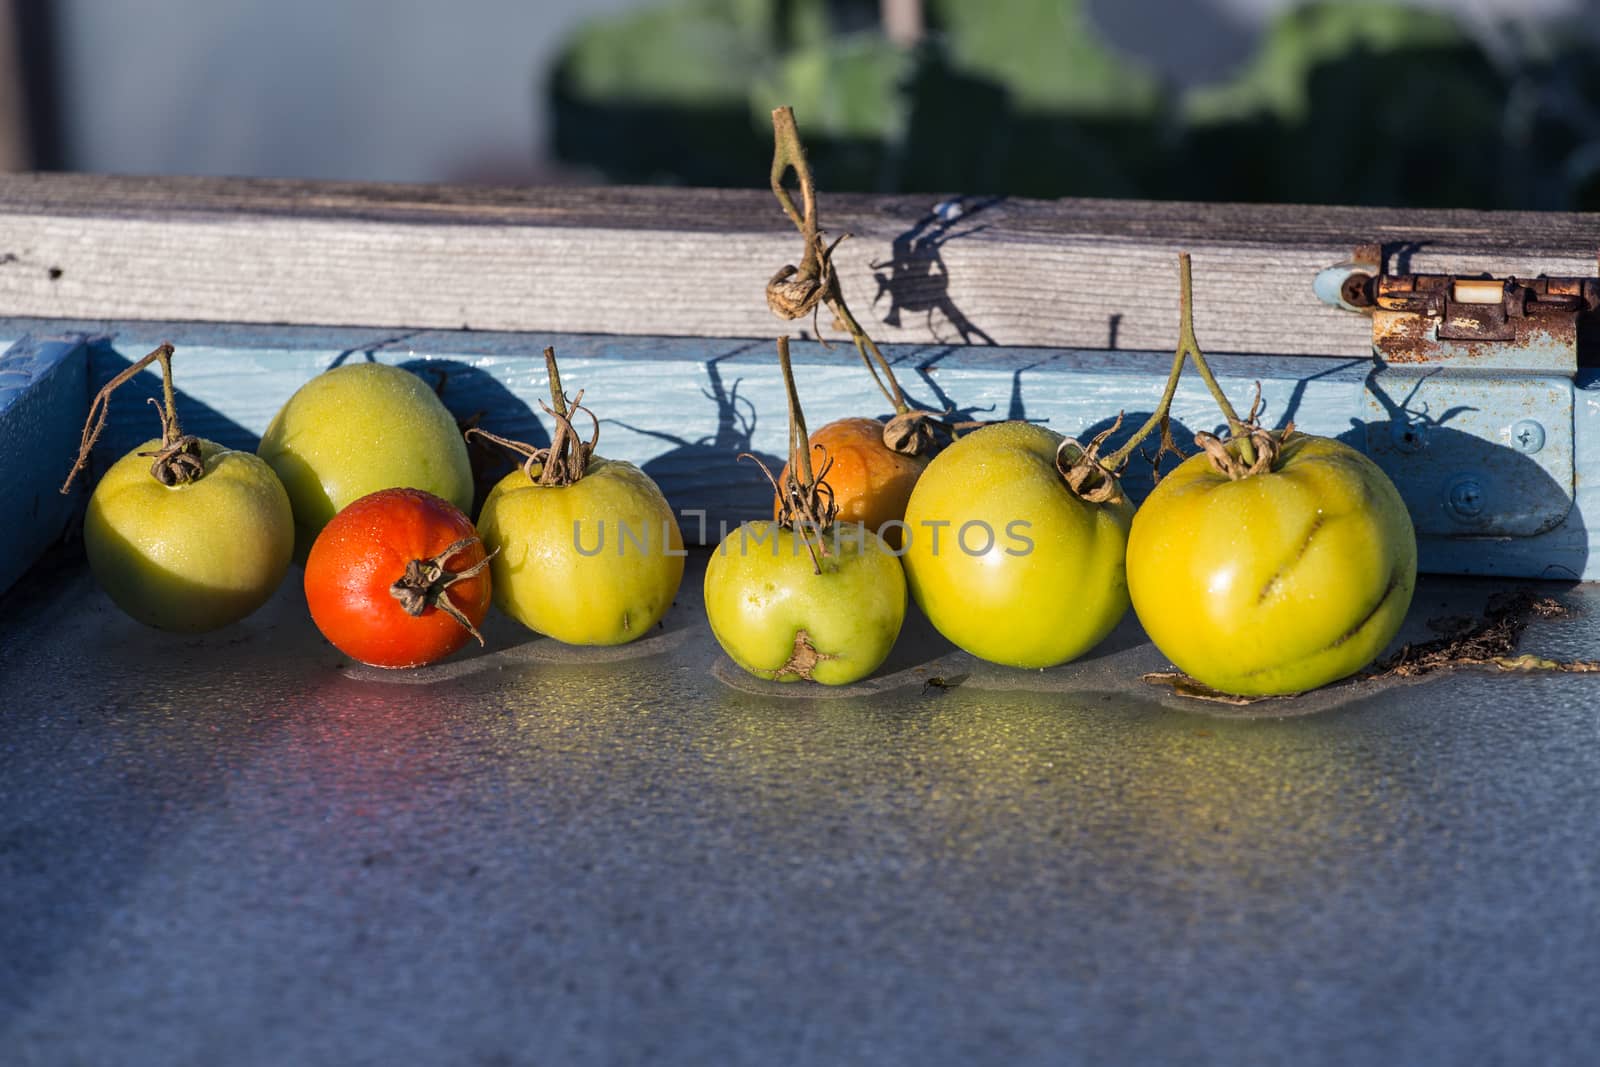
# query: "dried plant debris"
1185, 686
1489, 640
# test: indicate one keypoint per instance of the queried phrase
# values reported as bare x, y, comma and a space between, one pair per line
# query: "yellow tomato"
357, 429
596, 562
779, 619
1278, 582
195, 556
1005, 560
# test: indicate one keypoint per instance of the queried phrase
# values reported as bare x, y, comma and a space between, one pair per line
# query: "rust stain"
1404, 338
1420, 318
1437, 318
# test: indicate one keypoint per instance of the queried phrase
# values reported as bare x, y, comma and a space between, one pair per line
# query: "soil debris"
1489, 641
1185, 686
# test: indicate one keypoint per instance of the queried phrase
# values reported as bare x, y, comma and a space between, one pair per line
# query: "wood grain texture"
670, 262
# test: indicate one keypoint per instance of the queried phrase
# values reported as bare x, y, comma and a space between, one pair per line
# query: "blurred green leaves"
1359, 103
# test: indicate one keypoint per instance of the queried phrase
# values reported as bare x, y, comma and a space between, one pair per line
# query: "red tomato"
397, 579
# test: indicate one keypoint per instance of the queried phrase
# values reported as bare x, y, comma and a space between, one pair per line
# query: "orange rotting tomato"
398, 579
871, 482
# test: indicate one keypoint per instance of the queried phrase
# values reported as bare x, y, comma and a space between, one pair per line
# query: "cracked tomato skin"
762, 591
1051, 585
364, 550
194, 557
1279, 582
597, 562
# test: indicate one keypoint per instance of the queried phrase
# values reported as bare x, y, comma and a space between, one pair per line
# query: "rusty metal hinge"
1469, 407
1525, 324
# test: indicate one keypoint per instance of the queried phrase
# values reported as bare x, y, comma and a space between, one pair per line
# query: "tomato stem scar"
803, 660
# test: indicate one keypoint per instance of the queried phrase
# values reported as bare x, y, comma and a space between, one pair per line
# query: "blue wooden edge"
43, 402
684, 408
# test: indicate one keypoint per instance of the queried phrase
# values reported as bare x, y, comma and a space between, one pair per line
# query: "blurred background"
1455, 103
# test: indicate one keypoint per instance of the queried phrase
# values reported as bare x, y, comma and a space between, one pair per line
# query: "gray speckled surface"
242, 849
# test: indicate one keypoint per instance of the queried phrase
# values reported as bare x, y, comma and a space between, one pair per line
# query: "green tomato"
779, 619
1005, 560
1278, 582
357, 429
596, 562
189, 557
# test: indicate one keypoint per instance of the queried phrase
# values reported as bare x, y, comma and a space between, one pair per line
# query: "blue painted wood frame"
684, 408
43, 401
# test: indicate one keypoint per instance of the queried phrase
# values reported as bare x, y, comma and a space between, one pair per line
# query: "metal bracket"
1470, 409
1526, 325
1474, 455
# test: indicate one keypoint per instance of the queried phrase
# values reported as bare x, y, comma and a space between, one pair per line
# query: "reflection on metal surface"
605, 859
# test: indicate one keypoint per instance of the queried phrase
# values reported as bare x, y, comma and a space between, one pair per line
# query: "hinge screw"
1408, 436
1464, 499
1527, 436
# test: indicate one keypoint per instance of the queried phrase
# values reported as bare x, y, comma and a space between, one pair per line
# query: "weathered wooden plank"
1075, 273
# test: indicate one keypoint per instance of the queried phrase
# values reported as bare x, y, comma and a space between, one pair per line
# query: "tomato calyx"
1230, 459
567, 459
1249, 449
178, 463
1086, 474
911, 433
426, 584
178, 460
805, 504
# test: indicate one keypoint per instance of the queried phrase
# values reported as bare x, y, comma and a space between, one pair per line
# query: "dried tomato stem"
1237, 428
1115, 461
530, 455
805, 502
558, 399
865, 345
1188, 349
178, 460
788, 153
799, 439
793, 292
567, 459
